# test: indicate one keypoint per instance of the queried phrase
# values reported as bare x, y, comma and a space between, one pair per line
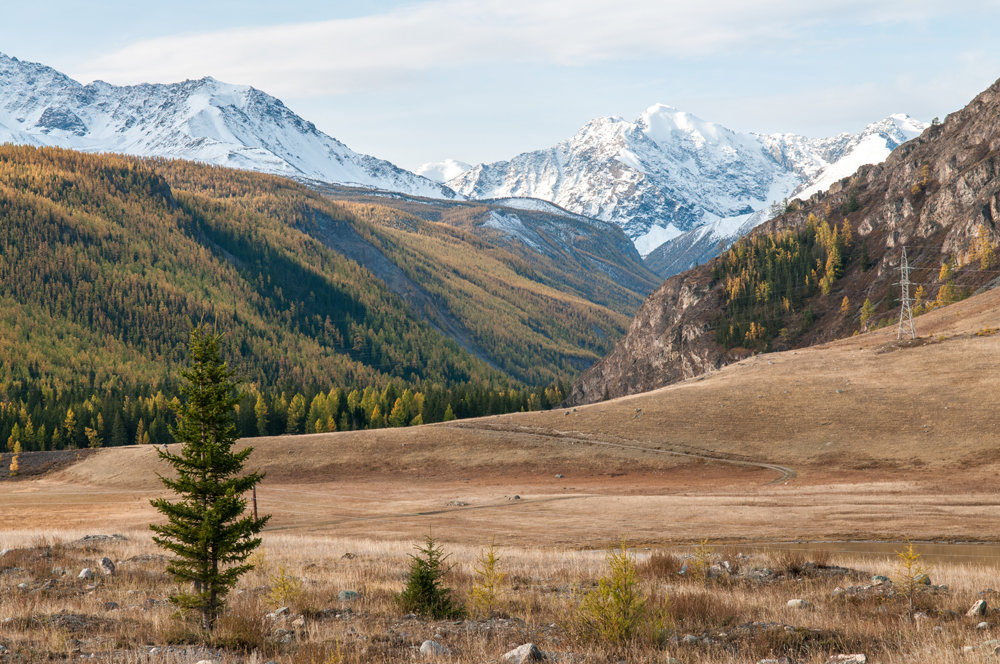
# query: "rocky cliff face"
939, 195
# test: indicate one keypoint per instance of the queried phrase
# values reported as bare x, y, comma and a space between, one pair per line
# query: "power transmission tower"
905, 310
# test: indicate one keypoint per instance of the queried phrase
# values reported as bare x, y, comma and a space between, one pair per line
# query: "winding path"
784, 472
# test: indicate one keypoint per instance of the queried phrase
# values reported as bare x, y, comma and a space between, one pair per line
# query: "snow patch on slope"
512, 226
442, 171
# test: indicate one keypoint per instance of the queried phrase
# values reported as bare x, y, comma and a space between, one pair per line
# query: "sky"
415, 81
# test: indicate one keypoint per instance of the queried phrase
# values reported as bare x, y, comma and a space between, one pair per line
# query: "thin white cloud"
345, 55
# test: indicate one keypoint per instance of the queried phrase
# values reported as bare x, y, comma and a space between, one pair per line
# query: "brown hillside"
865, 437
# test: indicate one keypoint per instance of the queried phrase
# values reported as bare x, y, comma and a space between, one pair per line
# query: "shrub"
424, 593
662, 564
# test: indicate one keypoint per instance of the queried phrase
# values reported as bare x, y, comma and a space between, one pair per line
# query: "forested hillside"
107, 261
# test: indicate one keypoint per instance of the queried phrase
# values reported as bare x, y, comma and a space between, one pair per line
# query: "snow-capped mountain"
442, 171
204, 120
668, 172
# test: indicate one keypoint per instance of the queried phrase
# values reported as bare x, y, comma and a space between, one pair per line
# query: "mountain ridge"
668, 172
203, 120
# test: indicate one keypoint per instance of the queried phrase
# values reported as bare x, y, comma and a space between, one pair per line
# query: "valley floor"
863, 439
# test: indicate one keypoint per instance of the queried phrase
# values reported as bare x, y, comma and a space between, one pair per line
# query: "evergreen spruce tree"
207, 529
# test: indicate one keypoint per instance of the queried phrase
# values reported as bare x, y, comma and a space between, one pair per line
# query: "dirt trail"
784, 473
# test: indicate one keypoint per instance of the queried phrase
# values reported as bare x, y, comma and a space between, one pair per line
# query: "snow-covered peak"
202, 120
669, 172
441, 171
666, 125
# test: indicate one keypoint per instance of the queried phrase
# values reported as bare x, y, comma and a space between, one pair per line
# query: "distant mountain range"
205, 120
670, 177
679, 187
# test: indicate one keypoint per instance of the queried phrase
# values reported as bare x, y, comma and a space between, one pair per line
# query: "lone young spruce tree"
207, 529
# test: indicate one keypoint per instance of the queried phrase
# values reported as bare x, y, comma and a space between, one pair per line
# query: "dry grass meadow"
862, 439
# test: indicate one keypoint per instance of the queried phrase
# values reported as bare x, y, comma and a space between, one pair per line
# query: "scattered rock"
772, 660
349, 556
977, 609
847, 659
528, 652
3, 650
4, 552
110, 606
689, 638
207, 661
517, 497
983, 625
922, 579
559, 476
457, 503
22, 586
277, 613
299, 622
797, 604
155, 651
91, 539
991, 646
107, 566
878, 579
86, 573
432, 649
347, 595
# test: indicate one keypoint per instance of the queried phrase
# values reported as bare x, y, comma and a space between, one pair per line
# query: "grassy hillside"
100, 254
106, 262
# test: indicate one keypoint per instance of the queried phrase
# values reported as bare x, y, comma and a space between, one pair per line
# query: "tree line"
37, 417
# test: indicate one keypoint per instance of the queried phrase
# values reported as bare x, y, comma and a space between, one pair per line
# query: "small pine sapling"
425, 593
911, 576
283, 588
703, 555
485, 592
618, 612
